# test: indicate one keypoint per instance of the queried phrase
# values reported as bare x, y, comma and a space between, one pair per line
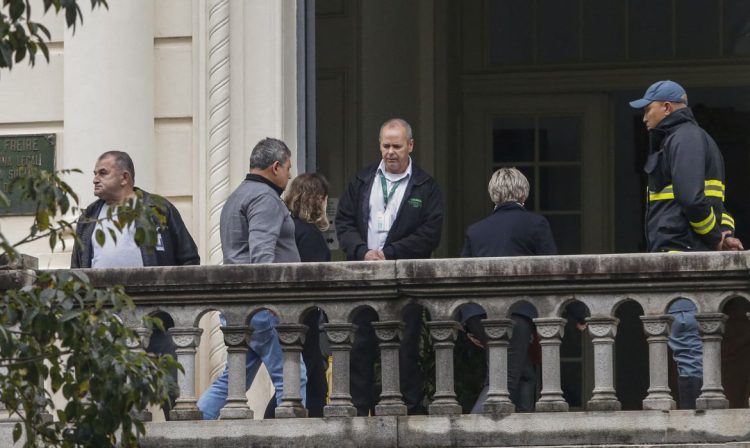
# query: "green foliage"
20, 36
63, 332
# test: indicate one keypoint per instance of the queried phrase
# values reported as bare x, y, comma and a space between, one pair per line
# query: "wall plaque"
17, 154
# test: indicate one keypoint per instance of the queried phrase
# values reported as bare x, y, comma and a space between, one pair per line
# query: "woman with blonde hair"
307, 198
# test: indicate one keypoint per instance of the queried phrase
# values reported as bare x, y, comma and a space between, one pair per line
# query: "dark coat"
685, 209
179, 247
510, 231
310, 242
415, 232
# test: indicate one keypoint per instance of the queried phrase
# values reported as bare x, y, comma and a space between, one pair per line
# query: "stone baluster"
236, 338
443, 335
139, 344
711, 326
603, 331
499, 332
291, 336
748, 400
657, 333
340, 336
389, 335
551, 331
186, 339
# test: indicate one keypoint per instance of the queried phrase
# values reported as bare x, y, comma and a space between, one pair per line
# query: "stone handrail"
601, 282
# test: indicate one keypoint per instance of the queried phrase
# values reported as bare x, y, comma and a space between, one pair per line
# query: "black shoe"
689, 390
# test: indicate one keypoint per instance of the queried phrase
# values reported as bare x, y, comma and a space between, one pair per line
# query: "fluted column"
603, 331
139, 344
236, 337
443, 335
389, 335
657, 334
551, 331
340, 337
186, 339
291, 336
711, 326
499, 332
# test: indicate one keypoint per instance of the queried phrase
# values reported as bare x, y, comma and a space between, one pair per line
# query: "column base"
185, 414
603, 405
390, 409
552, 406
498, 407
290, 412
711, 403
236, 413
437, 408
339, 411
659, 404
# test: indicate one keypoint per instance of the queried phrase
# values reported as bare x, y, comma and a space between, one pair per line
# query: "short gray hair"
397, 122
122, 160
508, 184
268, 151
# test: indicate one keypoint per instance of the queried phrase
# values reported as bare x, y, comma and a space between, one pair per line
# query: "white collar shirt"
382, 216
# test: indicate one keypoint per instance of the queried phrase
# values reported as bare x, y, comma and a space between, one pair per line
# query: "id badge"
159, 242
383, 220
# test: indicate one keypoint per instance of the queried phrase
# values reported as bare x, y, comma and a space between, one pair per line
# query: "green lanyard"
387, 196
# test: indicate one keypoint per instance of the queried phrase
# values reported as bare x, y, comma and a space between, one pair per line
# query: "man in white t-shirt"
114, 184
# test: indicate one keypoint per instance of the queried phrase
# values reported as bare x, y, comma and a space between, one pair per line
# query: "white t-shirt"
124, 253
382, 216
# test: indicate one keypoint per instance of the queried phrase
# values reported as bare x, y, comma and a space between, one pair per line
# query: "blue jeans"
264, 346
685, 340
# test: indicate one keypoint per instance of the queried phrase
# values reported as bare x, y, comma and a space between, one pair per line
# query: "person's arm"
265, 215
76, 257
466, 251
350, 240
311, 245
687, 166
421, 242
185, 249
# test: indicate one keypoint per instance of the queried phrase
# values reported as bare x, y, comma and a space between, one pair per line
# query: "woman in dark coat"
307, 198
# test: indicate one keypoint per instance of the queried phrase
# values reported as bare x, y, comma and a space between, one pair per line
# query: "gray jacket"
256, 226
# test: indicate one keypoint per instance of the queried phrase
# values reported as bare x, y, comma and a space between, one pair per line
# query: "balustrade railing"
601, 282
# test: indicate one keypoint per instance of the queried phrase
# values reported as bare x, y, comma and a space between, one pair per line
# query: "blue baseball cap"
661, 91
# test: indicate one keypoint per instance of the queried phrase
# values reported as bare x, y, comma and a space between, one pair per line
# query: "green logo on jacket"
415, 202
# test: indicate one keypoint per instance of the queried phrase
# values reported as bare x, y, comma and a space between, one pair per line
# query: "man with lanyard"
685, 210
391, 210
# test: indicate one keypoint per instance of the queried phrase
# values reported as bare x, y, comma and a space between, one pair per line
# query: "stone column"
603, 331
340, 336
499, 332
551, 331
186, 339
139, 344
711, 326
389, 335
657, 332
291, 336
748, 401
443, 334
236, 338
109, 92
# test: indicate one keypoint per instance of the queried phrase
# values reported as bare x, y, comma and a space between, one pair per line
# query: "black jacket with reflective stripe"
685, 209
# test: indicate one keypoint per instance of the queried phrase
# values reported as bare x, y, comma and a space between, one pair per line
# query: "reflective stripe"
712, 187
714, 183
705, 226
666, 193
727, 220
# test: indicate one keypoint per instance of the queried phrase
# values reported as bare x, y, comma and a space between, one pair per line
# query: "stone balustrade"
601, 282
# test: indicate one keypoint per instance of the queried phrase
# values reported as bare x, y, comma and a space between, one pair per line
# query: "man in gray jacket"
256, 227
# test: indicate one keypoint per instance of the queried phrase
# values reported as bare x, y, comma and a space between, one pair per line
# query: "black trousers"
365, 351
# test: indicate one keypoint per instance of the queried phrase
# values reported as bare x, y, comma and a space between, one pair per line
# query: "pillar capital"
140, 342
388, 331
291, 335
443, 331
550, 327
602, 327
340, 334
711, 323
498, 329
236, 335
658, 325
186, 337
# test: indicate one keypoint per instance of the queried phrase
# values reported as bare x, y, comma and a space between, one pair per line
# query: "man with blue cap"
684, 211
